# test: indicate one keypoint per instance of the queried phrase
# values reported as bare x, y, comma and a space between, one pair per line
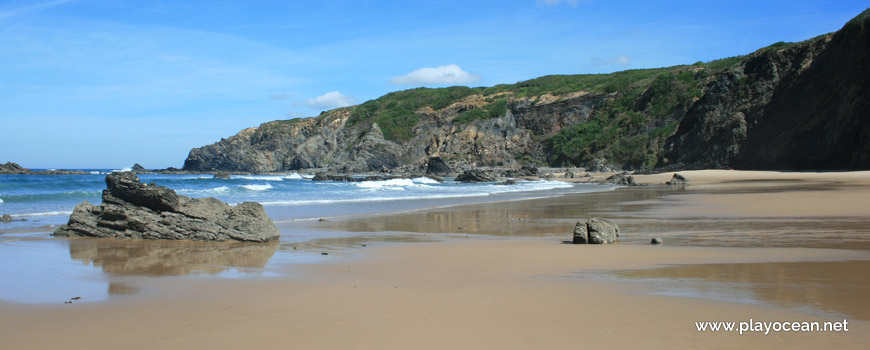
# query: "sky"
109, 83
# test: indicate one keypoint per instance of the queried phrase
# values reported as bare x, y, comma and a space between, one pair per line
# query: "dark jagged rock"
621, 179
437, 166
678, 180
656, 240
11, 168
5, 218
138, 168
132, 209
595, 231
222, 175
507, 182
475, 176
522, 172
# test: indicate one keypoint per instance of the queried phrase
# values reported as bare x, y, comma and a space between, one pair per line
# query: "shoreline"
498, 274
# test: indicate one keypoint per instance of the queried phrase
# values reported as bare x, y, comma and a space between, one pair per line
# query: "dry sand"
486, 292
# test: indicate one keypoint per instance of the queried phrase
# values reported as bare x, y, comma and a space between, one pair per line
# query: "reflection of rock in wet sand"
169, 258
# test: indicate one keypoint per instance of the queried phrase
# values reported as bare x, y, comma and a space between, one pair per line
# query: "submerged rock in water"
595, 231
132, 209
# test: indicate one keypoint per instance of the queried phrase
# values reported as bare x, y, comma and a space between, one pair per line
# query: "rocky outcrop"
131, 209
677, 180
475, 176
595, 231
524, 171
437, 166
621, 179
11, 168
5, 218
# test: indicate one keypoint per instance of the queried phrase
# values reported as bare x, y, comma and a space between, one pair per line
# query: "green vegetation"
495, 109
623, 129
395, 112
643, 107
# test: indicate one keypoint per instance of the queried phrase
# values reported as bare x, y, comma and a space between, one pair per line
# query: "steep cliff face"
788, 106
800, 106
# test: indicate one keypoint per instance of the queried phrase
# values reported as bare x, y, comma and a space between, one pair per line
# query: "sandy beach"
766, 246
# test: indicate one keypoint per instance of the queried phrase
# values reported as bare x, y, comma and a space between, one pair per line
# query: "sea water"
41, 202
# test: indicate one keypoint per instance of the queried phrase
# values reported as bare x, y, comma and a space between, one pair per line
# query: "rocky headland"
786, 106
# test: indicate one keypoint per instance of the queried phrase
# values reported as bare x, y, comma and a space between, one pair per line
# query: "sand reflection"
169, 258
839, 287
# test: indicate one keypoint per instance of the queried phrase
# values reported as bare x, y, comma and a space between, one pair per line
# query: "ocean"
42, 202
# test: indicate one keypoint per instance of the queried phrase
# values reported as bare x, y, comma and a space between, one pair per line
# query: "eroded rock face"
132, 209
595, 231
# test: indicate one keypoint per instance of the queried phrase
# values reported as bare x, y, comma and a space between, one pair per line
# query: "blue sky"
107, 83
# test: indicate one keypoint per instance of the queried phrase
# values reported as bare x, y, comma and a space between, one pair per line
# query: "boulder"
656, 240
475, 176
222, 175
621, 179
5, 218
131, 209
595, 231
678, 180
138, 168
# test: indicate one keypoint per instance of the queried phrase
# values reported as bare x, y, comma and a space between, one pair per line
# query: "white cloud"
9, 12
441, 75
572, 3
330, 100
622, 60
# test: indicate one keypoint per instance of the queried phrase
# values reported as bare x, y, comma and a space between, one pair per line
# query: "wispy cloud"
441, 75
572, 3
621, 60
329, 100
9, 12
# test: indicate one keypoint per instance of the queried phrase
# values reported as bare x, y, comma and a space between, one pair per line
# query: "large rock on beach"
678, 180
621, 179
595, 231
131, 209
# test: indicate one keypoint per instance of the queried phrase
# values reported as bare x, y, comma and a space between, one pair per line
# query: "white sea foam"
95, 173
210, 191
1, 201
48, 213
256, 187
294, 176
386, 183
259, 177
424, 180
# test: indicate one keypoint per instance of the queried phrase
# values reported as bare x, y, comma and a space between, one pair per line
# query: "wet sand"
498, 275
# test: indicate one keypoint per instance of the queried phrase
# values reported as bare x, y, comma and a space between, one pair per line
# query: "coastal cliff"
787, 106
